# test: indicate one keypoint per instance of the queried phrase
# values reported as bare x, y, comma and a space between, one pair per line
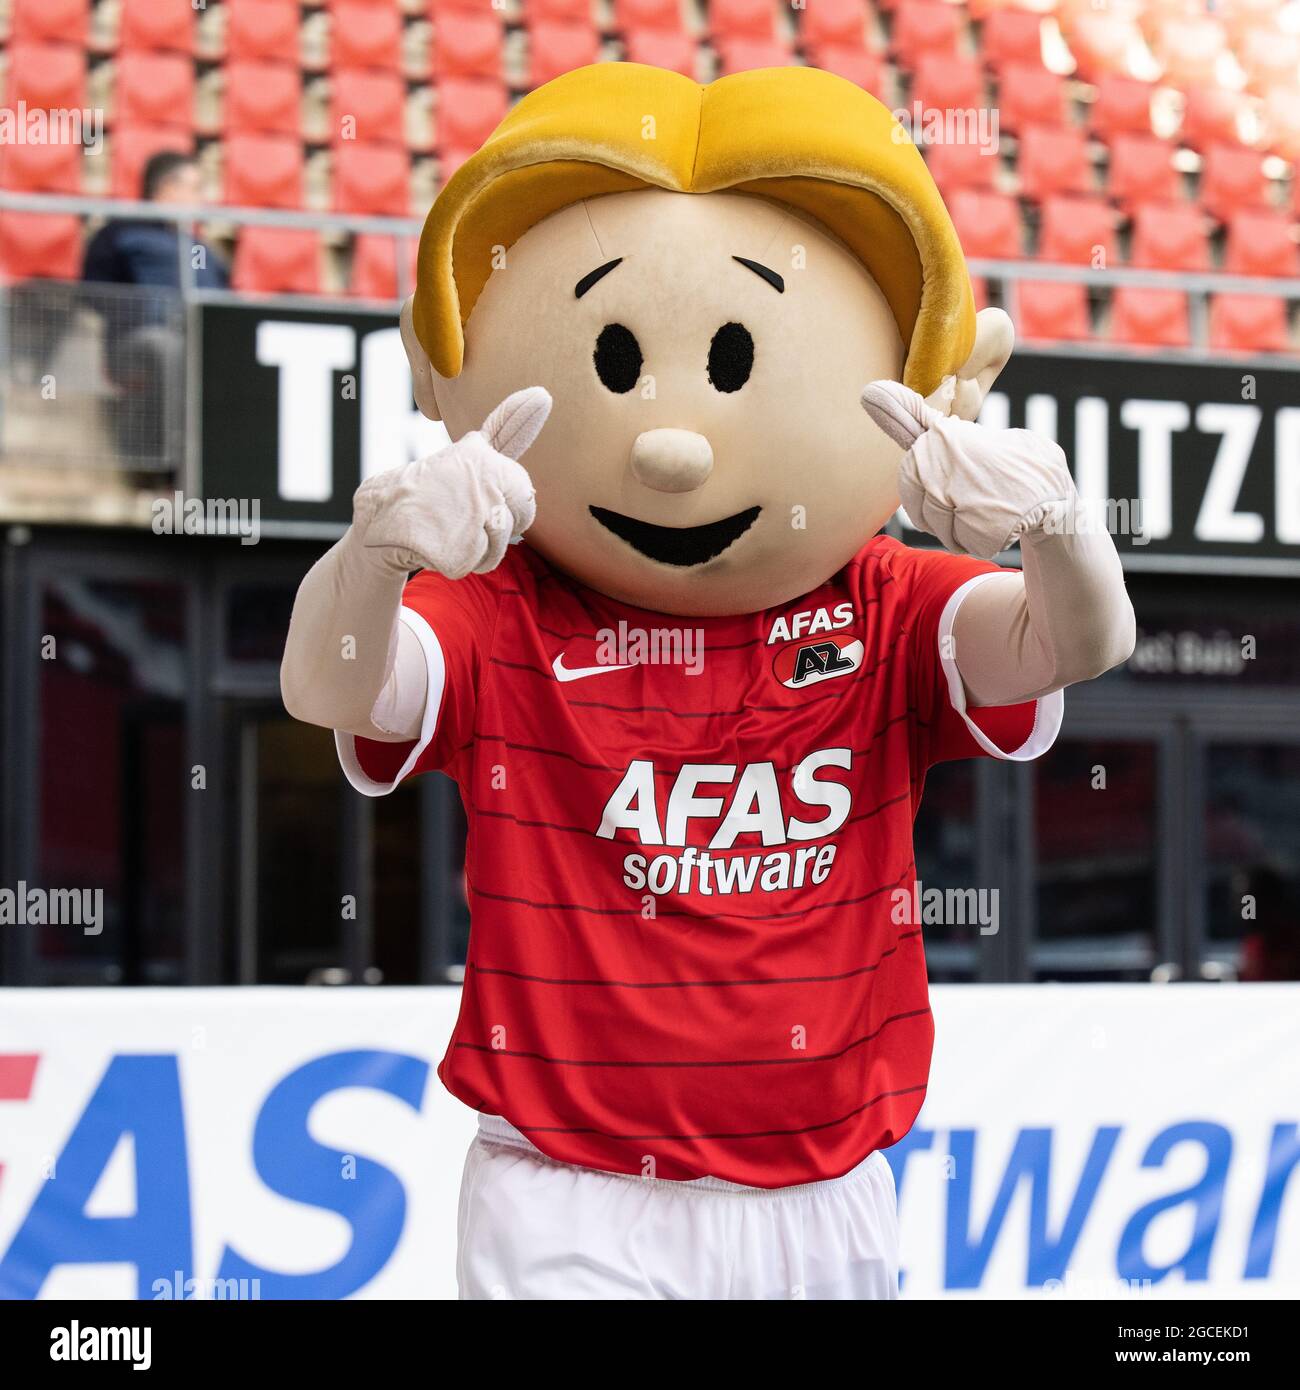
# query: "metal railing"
114, 357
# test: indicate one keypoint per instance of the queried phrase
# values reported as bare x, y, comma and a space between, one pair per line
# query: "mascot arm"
349, 664
1066, 617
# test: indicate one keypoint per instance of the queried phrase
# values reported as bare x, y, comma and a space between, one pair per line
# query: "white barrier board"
1077, 1141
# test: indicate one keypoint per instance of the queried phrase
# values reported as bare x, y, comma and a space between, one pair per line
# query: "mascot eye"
731, 357
618, 358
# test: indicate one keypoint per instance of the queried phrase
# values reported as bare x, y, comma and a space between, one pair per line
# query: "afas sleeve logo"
815, 658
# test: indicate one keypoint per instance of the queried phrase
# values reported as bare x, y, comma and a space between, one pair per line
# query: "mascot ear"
963, 395
422, 374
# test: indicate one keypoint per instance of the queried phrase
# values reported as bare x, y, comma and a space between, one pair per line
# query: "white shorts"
533, 1228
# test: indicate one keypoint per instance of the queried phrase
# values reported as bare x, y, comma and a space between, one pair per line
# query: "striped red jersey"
693, 949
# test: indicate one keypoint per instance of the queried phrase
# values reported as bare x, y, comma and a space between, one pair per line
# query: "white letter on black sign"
1286, 474
308, 355
393, 432
1155, 421
1218, 519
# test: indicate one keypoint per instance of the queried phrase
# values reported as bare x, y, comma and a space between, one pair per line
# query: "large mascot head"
704, 278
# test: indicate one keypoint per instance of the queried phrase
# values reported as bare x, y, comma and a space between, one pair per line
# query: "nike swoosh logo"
563, 673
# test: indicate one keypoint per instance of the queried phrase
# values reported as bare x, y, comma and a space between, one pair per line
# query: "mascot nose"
671, 460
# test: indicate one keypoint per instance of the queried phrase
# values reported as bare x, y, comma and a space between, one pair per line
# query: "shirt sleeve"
933, 585
453, 619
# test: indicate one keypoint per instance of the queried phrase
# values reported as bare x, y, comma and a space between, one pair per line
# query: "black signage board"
1193, 467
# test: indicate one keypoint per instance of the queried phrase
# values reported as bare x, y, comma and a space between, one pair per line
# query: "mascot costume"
695, 344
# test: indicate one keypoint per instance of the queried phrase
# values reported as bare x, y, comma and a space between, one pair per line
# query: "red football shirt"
689, 860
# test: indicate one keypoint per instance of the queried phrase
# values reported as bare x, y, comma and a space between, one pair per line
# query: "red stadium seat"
468, 45
1282, 121
839, 22
1210, 114
743, 55
924, 26
363, 35
1077, 231
1029, 96
979, 292
1169, 237
960, 164
945, 83
988, 224
857, 65
276, 260
1053, 161
747, 19
157, 24
46, 76
1149, 318
63, 21
1012, 36
262, 31
131, 148
371, 178
263, 170
450, 159
374, 266
39, 245
1100, 41
1122, 107
557, 48
49, 168
261, 96
558, 11
1269, 57
1232, 178
1142, 170
1052, 311
1190, 46
468, 112
649, 16
1248, 323
154, 89
1261, 243
367, 105
658, 49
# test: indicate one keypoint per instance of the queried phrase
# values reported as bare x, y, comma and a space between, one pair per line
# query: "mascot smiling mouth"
677, 545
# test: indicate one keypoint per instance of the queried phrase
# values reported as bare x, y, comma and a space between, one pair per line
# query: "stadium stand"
1168, 128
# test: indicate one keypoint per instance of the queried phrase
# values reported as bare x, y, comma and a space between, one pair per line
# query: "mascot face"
706, 453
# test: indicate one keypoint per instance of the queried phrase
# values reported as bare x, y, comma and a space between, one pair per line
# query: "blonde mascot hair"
795, 135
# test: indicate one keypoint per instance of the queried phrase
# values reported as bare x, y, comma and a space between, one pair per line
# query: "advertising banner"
1087, 1141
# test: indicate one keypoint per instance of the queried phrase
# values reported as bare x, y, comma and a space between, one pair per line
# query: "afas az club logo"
815, 658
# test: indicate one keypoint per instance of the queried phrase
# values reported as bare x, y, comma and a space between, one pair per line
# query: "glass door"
1247, 919
291, 895
1099, 813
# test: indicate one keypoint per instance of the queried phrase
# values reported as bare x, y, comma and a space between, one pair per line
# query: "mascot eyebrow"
763, 273
593, 277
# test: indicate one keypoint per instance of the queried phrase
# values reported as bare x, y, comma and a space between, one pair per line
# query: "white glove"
978, 490
453, 513
456, 511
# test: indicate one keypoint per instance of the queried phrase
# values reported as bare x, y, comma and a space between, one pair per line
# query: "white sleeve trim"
437, 670
1049, 710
